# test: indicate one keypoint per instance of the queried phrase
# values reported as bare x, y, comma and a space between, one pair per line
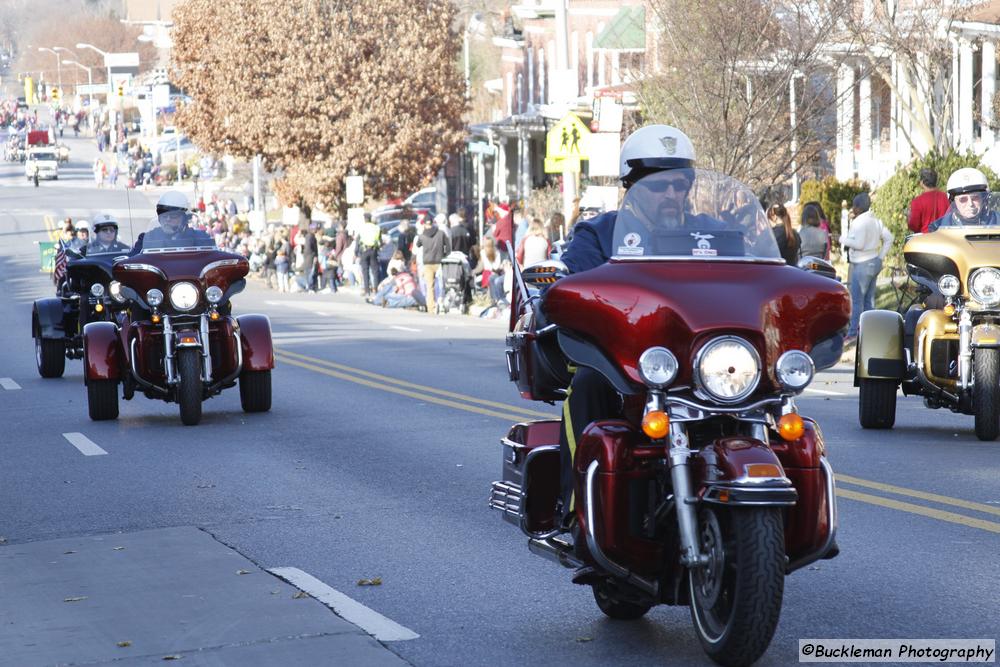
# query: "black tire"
986, 392
102, 399
255, 391
189, 390
50, 356
877, 402
736, 598
615, 605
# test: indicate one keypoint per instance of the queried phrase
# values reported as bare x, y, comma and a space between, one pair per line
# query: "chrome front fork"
686, 503
168, 351
965, 350
206, 353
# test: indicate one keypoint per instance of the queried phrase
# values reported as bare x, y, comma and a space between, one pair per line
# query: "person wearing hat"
82, 238
968, 196
105, 236
869, 242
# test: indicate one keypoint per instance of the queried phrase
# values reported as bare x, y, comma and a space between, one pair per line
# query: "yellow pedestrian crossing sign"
569, 138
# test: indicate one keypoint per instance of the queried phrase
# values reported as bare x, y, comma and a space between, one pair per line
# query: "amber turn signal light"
656, 424
214, 316
791, 427
156, 319
99, 308
949, 310
763, 470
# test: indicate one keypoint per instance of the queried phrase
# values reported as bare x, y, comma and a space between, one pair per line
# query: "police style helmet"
966, 179
83, 225
654, 148
104, 220
172, 200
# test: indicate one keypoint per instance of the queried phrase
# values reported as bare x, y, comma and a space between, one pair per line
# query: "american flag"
59, 265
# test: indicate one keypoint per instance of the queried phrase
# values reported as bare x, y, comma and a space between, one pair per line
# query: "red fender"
103, 357
255, 336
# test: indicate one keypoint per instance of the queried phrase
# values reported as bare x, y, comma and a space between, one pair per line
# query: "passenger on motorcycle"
105, 236
968, 192
82, 238
654, 149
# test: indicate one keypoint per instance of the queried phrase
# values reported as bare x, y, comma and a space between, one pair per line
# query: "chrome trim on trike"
605, 563
728, 409
206, 351
524, 485
139, 266
239, 365
937, 392
217, 264
831, 518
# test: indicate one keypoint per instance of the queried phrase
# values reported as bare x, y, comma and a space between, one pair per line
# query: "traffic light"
54, 94
121, 90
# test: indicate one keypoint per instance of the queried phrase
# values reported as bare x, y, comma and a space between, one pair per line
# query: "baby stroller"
455, 283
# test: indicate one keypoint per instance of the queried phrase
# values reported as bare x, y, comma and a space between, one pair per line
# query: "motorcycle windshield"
692, 214
173, 231
972, 209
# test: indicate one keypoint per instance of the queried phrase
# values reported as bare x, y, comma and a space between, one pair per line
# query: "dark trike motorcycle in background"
82, 296
175, 340
709, 487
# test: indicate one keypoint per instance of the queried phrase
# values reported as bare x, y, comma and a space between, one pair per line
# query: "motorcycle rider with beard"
651, 149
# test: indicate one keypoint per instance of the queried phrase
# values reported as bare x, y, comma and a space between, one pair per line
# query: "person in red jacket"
928, 206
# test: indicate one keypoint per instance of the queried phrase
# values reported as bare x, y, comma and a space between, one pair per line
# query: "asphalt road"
375, 462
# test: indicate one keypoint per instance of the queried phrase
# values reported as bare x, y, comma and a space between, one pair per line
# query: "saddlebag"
529, 491
536, 363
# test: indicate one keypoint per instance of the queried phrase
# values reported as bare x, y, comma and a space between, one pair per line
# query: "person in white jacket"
869, 242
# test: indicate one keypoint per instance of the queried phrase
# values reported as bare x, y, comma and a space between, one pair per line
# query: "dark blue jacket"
591, 243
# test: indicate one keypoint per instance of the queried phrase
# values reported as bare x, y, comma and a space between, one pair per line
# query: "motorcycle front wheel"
189, 390
986, 392
736, 597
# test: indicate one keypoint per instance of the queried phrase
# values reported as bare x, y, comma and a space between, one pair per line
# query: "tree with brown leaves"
323, 89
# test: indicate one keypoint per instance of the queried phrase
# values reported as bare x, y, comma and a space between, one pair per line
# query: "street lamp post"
112, 114
58, 68
794, 143
90, 80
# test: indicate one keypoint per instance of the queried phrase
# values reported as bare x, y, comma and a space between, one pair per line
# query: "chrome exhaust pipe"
555, 550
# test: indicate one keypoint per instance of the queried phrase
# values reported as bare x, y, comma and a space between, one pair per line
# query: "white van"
46, 159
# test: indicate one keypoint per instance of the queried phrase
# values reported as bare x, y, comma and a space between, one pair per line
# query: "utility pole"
562, 63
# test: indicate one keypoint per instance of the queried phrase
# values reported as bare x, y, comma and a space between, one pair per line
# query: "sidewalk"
166, 594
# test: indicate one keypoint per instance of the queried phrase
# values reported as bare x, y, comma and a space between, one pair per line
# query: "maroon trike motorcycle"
709, 487
175, 340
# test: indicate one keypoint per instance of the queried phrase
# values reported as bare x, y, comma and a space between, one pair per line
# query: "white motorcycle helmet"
104, 220
172, 200
966, 179
82, 225
654, 148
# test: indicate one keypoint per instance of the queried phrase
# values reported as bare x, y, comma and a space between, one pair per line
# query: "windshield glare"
972, 209
173, 230
691, 213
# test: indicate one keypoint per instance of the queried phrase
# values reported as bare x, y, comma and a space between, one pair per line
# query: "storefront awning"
626, 32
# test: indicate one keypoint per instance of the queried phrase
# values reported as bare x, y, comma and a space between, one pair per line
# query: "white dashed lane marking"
405, 329
86, 446
369, 620
9, 384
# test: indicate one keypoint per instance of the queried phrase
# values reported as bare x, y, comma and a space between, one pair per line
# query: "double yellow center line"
511, 413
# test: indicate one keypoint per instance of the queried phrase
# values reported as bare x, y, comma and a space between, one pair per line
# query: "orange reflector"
763, 470
99, 307
791, 427
723, 496
656, 424
949, 310
189, 339
156, 319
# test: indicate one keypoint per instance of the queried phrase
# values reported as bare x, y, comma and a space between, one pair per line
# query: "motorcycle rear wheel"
102, 399
986, 393
255, 391
736, 598
50, 357
189, 392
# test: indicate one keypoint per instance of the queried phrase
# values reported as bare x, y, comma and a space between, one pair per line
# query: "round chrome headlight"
214, 294
154, 297
728, 369
795, 370
658, 367
115, 288
97, 289
984, 286
948, 284
184, 296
